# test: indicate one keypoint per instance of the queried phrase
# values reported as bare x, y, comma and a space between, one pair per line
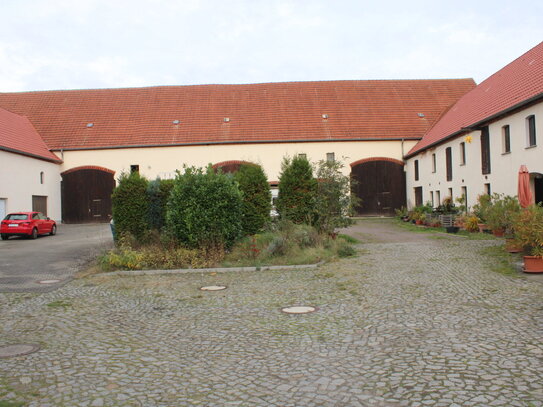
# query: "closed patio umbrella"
525, 197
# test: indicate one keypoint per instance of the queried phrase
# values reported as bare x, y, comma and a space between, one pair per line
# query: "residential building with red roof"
29, 171
370, 125
479, 144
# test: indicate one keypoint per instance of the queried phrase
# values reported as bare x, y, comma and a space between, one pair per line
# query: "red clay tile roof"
514, 85
18, 136
271, 112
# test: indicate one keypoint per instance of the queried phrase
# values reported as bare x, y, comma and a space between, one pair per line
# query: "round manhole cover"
20, 349
213, 288
298, 310
49, 281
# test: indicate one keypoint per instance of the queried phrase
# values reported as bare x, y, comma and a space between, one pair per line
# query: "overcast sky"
75, 44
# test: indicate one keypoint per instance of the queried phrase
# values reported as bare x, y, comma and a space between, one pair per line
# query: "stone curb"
211, 270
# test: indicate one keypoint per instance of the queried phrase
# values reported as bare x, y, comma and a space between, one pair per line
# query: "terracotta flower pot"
419, 222
498, 232
482, 227
533, 264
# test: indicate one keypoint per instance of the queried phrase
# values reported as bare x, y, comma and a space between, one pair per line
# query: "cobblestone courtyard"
414, 320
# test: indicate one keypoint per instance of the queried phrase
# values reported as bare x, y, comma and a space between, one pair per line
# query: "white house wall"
503, 177
20, 179
163, 161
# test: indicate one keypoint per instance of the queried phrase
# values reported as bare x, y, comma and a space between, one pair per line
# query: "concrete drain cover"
298, 310
20, 349
49, 281
213, 288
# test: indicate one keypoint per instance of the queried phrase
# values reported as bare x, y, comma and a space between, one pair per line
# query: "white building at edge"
478, 146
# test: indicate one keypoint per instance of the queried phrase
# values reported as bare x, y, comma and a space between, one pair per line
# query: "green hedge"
256, 195
130, 205
204, 209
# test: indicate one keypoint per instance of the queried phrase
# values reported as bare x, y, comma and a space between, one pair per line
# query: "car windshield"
16, 216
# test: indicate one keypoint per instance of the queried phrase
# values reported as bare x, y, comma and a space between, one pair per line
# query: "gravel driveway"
417, 322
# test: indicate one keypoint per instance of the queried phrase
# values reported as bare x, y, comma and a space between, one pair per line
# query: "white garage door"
2, 208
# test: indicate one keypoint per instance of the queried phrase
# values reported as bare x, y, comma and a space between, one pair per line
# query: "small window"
448, 161
416, 170
438, 198
134, 168
42, 177
465, 196
432, 198
530, 124
304, 156
488, 191
462, 153
434, 163
330, 157
506, 139
451, 194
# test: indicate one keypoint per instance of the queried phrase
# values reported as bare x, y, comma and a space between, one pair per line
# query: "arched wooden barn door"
230, 166
86, 195
380, 185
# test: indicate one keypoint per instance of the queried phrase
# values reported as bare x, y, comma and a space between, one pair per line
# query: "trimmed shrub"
158, 193
256, 195
204, 209
130, 206
297, 191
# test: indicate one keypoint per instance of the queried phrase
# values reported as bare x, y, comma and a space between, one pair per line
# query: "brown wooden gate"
380, 185
86, 195
39, 204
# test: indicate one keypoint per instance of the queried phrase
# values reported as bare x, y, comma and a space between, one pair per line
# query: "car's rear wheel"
34, 234
4, 236
53, 230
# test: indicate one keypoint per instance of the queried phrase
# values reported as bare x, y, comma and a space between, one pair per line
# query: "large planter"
533, 264
452, 229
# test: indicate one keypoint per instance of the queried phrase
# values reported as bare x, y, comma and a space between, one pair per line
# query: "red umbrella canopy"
525, 197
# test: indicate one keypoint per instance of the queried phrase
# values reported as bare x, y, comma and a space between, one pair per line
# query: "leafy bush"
158, 193
130, 205
528, 229
256, 195
334, 201
205, 209
297, 191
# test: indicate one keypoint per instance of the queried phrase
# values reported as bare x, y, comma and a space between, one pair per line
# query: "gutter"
479, 124
233, 143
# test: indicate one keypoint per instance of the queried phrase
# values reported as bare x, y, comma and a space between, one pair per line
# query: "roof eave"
234, 142
480, 123
26, 154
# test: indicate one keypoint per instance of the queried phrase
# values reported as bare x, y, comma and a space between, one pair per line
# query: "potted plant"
500, 212
528, 232
471, 224
480, 209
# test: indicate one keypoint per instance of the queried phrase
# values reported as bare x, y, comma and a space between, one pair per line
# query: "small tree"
334, 201
158, 192
256, 195
297, 190
130, 205
204, 209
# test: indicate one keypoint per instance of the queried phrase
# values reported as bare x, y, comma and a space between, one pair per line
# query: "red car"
30, 224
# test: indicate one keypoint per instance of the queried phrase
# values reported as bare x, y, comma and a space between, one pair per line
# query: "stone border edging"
211, 270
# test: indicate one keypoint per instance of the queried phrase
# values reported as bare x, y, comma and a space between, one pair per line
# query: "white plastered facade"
503, 176
164, 161
21, 177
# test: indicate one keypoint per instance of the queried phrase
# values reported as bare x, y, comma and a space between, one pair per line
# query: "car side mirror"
47, 218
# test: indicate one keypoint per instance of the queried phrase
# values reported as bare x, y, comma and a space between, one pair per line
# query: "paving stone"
423, 321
